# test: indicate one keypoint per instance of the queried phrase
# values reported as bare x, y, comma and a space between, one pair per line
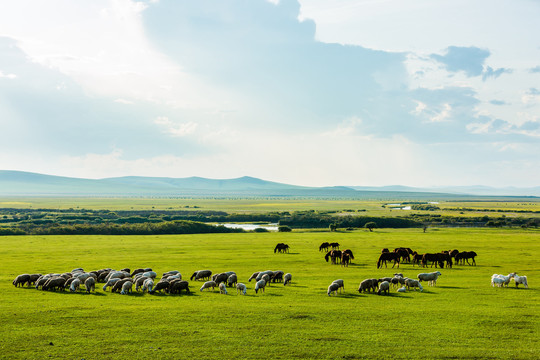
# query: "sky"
306, 92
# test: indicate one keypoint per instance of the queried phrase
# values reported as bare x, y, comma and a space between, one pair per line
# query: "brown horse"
334, 246
388, 256
334, 255
417, 258
349, 251
281, 247
433, 258
324, 246
465, 256
345, 259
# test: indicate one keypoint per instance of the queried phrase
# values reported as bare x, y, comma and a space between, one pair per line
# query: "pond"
248, 227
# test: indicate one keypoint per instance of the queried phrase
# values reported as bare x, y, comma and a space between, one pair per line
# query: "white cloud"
175, 129
7, 76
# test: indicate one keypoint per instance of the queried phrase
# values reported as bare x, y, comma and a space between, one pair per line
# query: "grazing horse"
385, 250
434, 258
403, 254
281, 247
349, 251
453, 253
324, 246
465, 256
417, 258
345, 259
334, 246
334, 255
388, 256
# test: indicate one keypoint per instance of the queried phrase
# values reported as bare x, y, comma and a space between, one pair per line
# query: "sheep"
253, 276
402, 289
333, 288
148, 285
118, 285
208, 285
90, 284
266, 277
150, 274
84, 276
340, 283
368, 285
161, 285
75, 284
170, 273
262, 273
222, 288
221, 277
260, 285
177, 286
55, 283
139, 281
384, 287
398, 275
41, 281
413, 283
232, 280
431, 278
501, 280
287, 279
111, 282
116, 274
137, 271
240, 287
521, 280
21, 280
33, 279
278, 276
201, 275
126, 287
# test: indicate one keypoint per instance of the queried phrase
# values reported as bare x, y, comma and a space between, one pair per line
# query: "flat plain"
463, 317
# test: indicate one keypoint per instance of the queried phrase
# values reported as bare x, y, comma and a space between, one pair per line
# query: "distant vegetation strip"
146, 222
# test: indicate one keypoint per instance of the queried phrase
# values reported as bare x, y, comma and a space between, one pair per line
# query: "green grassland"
463, 317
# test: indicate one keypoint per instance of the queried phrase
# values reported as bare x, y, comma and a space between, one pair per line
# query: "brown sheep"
55, 283
178, 286
218, 278
118, 285
161, 285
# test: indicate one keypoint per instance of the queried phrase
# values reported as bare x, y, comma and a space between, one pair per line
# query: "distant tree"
284, 229
333, 227
425, 228
370, 225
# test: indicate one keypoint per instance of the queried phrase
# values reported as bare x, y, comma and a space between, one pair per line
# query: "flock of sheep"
382, 285
144, 279
504, 280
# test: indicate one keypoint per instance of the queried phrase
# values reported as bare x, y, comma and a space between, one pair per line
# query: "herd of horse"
336, 256
281, 248
442, 259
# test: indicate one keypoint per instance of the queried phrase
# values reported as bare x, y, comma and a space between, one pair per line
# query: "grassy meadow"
463, 317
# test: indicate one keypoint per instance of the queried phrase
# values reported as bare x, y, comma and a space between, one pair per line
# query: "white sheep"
333, 288
75, 285
340, 283
521, 280
384, 286
208, 285
431, 278
150, 274
412, 283
222, 288
90, 284
260, 285
126, 288
287, 279
501, 280
402, 289
148, 285
240, 287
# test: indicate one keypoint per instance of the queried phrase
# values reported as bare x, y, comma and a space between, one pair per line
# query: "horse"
350, 253
417, 258
434, 258
465, 256
324, 246
334, 246
388, 256
345, 259
403, 254
333, 255
281, 247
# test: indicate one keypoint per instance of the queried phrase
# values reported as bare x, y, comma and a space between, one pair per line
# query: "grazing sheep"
116, 274
170, 273
340, 283
521, 280
262, 273
260, 285
137, 271
208, 285
126, 287
150, 274
75, 284
254, 276
33, 279
178, 286
501, 280
118, 285
278, 276
384, 287
221, 277
232, 280
201, 275
161, 285
111, 282
222, 288
402, 289
90, 284
287, 279
139, 281
431, 278
266, 277
368, 285
55, 283
148, 285
41, 281
103, 276
68, 282
333, 288
240, 287
21, 280
398, 275
412, 283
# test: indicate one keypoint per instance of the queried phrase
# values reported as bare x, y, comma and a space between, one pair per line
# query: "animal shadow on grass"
449, 287
292, 253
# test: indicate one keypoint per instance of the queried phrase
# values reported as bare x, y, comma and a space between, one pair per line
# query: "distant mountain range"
19, 183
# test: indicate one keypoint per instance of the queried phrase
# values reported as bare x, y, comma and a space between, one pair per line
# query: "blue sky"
419, 93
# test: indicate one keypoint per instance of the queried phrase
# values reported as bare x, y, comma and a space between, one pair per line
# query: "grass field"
462, 317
